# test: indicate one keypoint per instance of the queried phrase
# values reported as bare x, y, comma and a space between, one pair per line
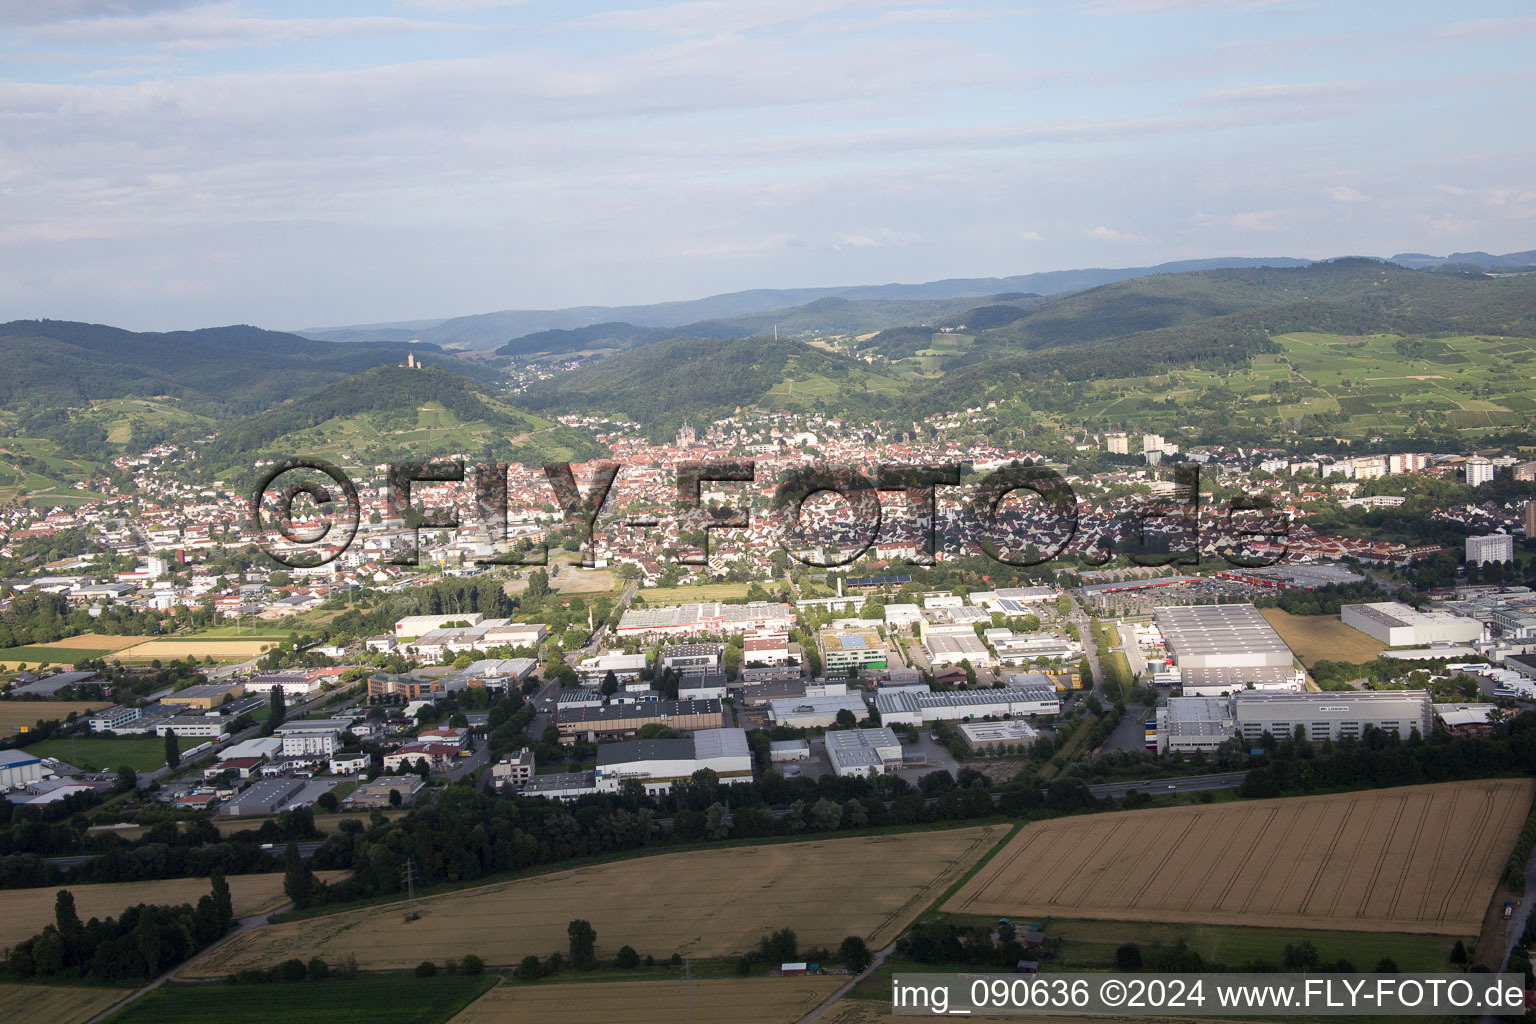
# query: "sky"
169, 164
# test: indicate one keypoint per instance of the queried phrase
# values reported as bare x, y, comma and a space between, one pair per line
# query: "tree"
279, 709
394, 798
626, 958
583, 941
172, 749
1386, 965
846, 719
472, 964
328, 802
426, 969
1459, 953
1128, 957
223, 903
529, 970
780, 947
127, 779
298, 879
854, 954
317, 969
715, 824
610, 684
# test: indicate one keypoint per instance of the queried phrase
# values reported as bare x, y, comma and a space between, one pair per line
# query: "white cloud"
206, 28
1257, 220
33, 12
1345, 194
1109, 234
1122, 7
1030, 236
722, 17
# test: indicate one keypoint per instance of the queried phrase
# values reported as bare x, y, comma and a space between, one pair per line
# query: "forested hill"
397, 413
1219, 319
217, 371
662, 385
823, 316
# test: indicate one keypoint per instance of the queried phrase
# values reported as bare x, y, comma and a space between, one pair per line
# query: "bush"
473, 964
289, 970
529, 970
626, 957
426, 969
677, 959
318, 970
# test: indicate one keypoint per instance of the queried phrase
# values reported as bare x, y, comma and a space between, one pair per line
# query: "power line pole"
410, 880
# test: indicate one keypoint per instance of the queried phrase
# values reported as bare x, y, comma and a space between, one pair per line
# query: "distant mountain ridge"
216, 370
491, 330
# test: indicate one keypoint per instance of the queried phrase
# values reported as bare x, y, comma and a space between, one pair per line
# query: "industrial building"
708, 617
657, 764
312, 737
627, 719
263, 798
514, 771
914, 707
1399, 625
109, 719
1332, 715
1221, 648
1191, 724
844, 649
863, 751
19, 768
815, 712
693, 659
205, 696
562, 785
491, 673
625, 667
1195, 724
982, 736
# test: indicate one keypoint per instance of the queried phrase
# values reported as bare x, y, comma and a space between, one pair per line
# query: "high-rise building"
1479, 471
1152, 443
1530, 520
1117, 444
1495, 547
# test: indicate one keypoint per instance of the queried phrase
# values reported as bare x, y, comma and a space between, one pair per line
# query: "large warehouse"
1223, 647
660, 763
911, 707
1332, 715
1191, 724
1399, 625
627, 719
863, 751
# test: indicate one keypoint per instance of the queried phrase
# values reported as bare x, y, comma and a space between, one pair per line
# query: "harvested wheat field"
24, 912
53, 1004
1419, 859
699, 903
740, 1001
24, 714
168, 648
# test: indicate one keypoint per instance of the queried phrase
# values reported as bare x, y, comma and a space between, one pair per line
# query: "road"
1160, 787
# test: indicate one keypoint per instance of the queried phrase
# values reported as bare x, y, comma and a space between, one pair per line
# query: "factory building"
815, 712
1333, 715
708, 617
1221, 648
1399, 625
627, 719
19, 768
863, 751
693, 659
657, 764
909, 707
984, 736
1189, 724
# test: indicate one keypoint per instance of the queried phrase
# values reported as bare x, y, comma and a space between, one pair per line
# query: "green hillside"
664, 384
393, 413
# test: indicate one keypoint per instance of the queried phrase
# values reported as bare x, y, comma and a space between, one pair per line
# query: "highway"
1160, 787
